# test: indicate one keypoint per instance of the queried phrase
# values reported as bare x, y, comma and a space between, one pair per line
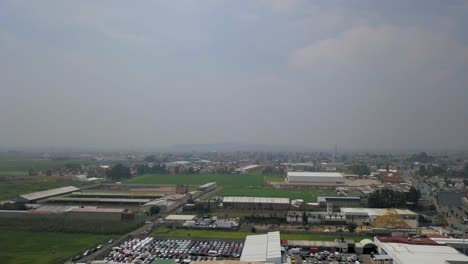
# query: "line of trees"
118, 172
387, 198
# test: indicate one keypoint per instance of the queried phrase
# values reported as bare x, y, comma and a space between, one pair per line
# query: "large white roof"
48, 193
314, 174
262, 248
180, 217
374, 211
427, 254
243, 199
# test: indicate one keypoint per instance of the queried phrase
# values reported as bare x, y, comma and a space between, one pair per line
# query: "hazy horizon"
364, 75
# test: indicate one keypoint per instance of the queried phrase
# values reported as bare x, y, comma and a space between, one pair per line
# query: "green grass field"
167, 232
12, 186
308, 195
43, 247
197, 179
11, 166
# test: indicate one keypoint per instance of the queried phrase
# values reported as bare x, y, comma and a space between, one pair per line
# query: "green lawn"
308, 195
167, 232
198, 179
43, 247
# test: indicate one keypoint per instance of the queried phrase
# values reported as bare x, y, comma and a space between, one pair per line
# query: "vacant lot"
197, 179
167, 232
308, 195
43, 247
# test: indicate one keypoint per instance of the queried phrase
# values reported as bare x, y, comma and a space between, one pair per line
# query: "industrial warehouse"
117, 202
305, 177
255, 203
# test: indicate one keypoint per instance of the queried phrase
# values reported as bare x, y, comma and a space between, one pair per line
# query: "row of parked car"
182, 251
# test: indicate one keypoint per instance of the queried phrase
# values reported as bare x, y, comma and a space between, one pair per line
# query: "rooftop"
180, 217
48, 193
262, 248
313, 174
374, 211
325, 198
248, 167
95, 209
429, 254
207, 184
243, 199
98, 200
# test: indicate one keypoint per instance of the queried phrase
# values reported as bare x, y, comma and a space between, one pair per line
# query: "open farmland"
12, 186
13, 166
308, 195
197, 179
43, 247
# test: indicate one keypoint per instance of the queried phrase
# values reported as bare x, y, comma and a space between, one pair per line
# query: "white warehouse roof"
48, 193
238, 199
314, 174
262, 248
374, 211
427, 254
180, 217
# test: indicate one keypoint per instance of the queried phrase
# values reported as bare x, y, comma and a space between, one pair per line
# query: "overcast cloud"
146, 74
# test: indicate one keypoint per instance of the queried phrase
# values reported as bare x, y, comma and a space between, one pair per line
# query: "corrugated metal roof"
180, 217
243, 199
325, 198
374, 211
314, 174
274, 246
255, 248
99, 200
262, 248
48, 193
94, 209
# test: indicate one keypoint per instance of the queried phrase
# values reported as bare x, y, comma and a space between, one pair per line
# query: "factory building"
340, 201
264, 248
37, 196
315, 177
382, 218
255, 203
404, 250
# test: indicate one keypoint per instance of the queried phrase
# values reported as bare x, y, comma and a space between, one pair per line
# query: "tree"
352, 227
360, 169
413, 196
118, 172
304, 218
154, 210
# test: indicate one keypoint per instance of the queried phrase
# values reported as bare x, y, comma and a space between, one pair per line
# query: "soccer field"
197, 179
44, 247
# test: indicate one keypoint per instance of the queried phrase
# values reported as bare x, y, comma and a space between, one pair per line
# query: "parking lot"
321, 257
146, 250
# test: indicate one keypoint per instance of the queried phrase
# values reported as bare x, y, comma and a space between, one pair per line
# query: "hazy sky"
360, 74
